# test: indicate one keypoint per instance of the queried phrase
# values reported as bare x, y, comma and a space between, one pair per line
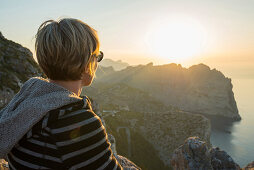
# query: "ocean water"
237, 138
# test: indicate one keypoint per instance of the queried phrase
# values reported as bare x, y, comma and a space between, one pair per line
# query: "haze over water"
239, 144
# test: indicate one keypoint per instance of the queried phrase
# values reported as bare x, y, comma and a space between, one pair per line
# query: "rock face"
16, 66
197, 89
195, 154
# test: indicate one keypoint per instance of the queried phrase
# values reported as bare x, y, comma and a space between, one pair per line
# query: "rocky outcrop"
197, 89
16, 66
195, 154
221, 160
127, 164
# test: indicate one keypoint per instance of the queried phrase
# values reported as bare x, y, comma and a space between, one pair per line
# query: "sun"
176, 39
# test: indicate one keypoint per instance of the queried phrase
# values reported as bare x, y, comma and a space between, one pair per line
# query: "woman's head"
66, 49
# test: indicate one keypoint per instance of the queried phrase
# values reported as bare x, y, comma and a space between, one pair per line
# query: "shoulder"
78, 110
82, 105
74, 108
72, 114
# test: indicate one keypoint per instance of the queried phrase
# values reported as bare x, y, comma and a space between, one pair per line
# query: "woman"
48, 125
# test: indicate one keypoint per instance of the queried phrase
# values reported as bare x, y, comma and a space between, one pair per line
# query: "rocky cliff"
197, 89
16, 66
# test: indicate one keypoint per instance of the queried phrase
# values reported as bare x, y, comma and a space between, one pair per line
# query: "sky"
219, 33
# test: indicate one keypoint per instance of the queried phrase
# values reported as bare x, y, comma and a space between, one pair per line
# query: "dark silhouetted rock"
221, 160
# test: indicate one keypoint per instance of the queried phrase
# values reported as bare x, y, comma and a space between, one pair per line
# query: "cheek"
87, 80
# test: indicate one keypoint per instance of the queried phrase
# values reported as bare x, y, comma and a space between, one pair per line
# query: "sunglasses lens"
100, 57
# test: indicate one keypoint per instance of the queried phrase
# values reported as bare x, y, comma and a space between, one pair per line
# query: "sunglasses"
99, 57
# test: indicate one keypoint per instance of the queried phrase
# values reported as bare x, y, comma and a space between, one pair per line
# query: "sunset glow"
177, 39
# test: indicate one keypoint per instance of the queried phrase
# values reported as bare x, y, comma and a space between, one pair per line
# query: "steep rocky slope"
197, 89
16, 66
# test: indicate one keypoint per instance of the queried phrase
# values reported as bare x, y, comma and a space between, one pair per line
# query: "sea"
237, 138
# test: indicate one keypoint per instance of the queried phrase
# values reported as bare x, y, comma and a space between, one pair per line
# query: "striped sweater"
70, 137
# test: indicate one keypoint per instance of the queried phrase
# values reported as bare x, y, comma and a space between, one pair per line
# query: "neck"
73, 86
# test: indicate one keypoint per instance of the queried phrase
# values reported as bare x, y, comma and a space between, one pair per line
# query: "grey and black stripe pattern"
70, 137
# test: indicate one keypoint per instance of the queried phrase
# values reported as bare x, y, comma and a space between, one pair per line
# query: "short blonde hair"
65, 48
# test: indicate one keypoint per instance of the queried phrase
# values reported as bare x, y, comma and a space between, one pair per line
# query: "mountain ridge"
195, 89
